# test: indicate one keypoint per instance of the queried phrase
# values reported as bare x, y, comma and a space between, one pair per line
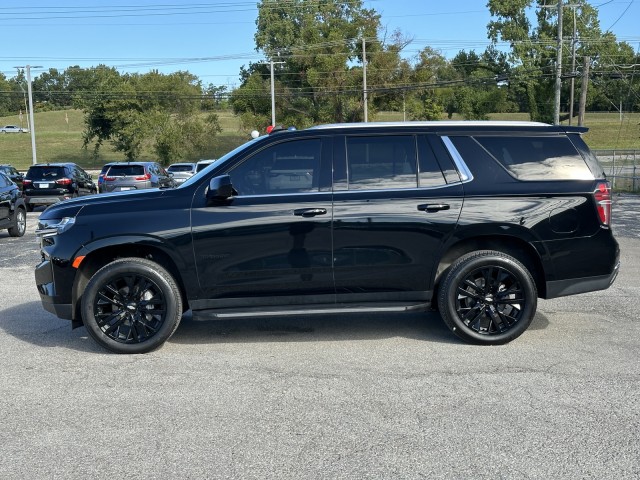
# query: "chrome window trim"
463, 170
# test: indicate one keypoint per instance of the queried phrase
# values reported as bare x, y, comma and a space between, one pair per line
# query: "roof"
435, 123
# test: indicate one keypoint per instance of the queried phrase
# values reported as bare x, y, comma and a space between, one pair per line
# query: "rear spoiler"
579, 130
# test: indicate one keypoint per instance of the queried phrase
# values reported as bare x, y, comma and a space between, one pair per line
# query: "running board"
311, 310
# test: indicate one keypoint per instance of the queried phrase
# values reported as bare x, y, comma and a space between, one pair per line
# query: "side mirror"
220, 188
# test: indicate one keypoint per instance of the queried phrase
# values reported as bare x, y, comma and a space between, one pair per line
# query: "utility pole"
364, 79
573, 64
273, 95
32, 130
583, 92
556, 105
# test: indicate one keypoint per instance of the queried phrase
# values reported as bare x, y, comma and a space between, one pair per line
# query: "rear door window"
537, 158
381, 162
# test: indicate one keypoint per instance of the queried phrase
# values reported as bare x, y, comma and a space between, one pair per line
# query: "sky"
212, 39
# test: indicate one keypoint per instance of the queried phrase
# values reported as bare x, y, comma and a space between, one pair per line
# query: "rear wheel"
20, 224
131, 305
488, 297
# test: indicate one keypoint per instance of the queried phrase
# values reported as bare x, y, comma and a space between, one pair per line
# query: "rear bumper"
45, 200
573, 286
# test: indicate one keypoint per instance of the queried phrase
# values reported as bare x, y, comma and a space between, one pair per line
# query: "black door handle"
310, 212
433, 207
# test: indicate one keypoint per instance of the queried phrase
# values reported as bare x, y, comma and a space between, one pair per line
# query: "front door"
271, 241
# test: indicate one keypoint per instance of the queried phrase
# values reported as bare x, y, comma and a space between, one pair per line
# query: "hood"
70, 208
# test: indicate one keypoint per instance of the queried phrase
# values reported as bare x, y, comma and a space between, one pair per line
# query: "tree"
134, 111
320, 44
533, 53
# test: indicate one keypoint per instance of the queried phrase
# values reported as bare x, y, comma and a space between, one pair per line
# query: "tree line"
318, 51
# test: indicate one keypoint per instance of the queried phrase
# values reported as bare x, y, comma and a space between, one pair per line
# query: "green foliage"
155, 110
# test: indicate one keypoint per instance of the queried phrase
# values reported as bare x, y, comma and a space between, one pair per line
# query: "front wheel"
488, 297
131, 305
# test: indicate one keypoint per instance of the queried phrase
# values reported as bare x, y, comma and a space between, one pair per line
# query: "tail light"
64, 181
146, 176
602, 195
27, 183
108, 179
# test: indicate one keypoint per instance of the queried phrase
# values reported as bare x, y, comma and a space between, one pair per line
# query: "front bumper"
59, 305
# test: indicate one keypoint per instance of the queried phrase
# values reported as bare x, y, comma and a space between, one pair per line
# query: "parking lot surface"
384, 396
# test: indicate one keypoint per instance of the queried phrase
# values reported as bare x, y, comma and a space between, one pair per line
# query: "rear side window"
45, 173
125, 170
385, 162
538, 158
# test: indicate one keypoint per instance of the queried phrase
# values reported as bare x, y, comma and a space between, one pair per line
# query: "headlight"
54, 226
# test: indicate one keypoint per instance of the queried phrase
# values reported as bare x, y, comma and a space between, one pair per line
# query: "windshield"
222, 159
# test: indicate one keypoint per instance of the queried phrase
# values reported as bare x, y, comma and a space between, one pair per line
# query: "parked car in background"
475, 219
48, 183
181, 171
11, 172
13, 129
202, 164
13, 212
122, 176
100, 182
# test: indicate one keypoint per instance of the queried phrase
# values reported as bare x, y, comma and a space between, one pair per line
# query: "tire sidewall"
17, 230
153, 272
464, 268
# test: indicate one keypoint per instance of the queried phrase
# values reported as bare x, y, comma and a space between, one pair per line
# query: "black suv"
476, 219
48, 183
13, 214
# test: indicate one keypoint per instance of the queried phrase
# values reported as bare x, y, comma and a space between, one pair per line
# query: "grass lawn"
58, 140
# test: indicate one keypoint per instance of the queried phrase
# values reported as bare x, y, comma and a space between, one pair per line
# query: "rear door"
394, 207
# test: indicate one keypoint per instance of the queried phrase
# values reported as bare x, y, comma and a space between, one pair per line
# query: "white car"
202, 164
13, 129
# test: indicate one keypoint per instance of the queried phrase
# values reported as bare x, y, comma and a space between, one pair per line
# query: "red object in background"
269, 128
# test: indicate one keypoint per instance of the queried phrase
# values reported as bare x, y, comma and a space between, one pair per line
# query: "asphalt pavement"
370, 396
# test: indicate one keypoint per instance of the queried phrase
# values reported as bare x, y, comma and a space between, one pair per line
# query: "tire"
20, 223
488, 297
116, 306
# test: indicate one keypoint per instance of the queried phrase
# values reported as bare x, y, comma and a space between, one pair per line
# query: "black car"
13, 213
49, 183
11, 172
475, 219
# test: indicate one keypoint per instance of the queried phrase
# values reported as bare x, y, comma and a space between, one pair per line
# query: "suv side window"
288, 167
381, 162
537, 158
3, 180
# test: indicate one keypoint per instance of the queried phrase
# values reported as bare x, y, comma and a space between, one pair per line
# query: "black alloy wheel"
488, 297
131, 305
